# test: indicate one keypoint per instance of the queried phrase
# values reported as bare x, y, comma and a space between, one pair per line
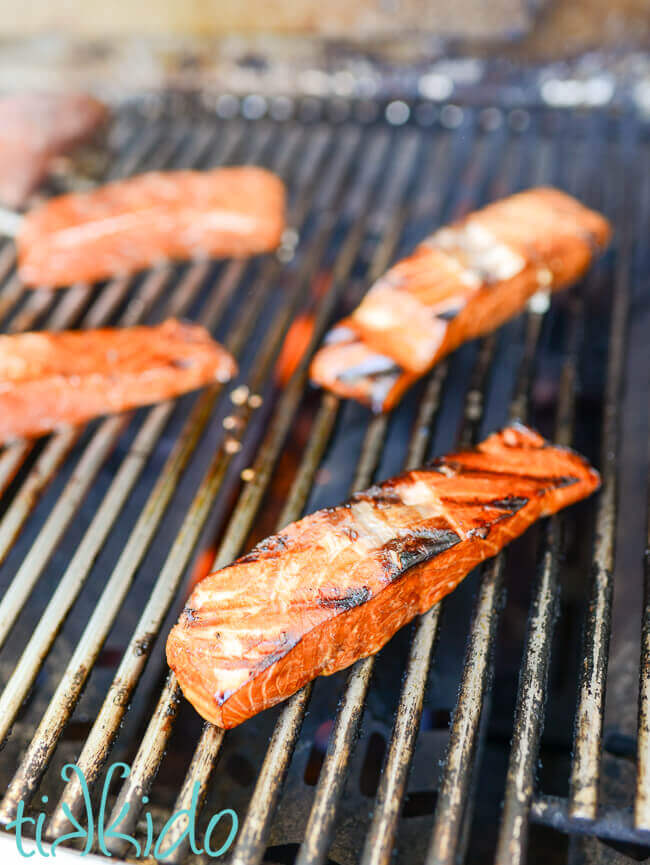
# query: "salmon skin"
35, 128
335, 586
131, 224
462, 281
51, 379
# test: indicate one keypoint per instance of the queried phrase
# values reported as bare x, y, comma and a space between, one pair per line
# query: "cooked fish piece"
461, 282
35, 128
335, 586
131, 224
51, 379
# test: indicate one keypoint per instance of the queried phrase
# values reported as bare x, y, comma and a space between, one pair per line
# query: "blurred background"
564, 51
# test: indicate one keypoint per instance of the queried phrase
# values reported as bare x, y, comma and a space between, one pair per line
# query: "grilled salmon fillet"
335, 586
50, 379
131, 224
462, 281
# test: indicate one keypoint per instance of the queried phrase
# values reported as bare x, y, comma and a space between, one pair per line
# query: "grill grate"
98, 527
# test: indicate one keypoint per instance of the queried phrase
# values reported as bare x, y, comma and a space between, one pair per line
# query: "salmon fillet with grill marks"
131, 224
461, 282
335, 586
51, 379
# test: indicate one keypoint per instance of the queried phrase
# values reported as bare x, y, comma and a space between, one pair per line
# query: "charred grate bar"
99, 527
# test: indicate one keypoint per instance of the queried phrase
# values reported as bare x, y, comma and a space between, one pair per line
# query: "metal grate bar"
585, 771
529, 713
146, 763
70, 686
612, 823
241, 523
534, 672
137, 652
642, 801
11, 290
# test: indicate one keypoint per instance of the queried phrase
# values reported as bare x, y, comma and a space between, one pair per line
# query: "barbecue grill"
521, 688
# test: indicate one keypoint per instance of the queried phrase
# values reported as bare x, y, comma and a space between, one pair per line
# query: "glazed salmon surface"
51, 379
461, 282
125, 226
335, 586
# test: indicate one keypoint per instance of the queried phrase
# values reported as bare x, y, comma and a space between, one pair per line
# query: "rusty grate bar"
455, 803
612, 823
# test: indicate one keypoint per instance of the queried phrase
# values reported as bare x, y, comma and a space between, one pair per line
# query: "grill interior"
102, 529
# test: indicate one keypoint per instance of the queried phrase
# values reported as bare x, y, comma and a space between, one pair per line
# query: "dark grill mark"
285, 643
380, 496
415, 548
553, 481
341, 603
566, 481
274, 545
509, 503
449, 314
